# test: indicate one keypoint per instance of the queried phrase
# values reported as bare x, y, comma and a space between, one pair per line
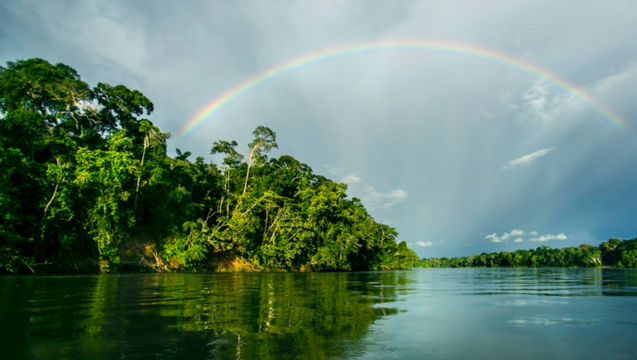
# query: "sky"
461, 154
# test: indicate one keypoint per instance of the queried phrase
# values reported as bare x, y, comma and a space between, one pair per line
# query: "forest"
611, 253
86, 185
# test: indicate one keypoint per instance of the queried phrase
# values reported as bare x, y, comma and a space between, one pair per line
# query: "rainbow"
198, 119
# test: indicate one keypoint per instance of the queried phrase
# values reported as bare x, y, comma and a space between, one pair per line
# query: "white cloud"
333, 170
520, 234
513, 232
429, 243
383, 200
351, 179
494, 238
615, 80
540, 102
526, 159
549, 237
537, 97
500, 239
612, 89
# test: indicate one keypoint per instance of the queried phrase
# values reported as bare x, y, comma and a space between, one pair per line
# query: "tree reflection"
230, 316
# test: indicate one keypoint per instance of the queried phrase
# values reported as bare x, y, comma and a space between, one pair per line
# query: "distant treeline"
611, 253
86, 185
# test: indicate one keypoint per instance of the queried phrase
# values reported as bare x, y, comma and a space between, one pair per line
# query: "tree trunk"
50, 201
140, 175
245, 186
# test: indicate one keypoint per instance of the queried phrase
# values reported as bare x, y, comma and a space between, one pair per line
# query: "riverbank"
613, 253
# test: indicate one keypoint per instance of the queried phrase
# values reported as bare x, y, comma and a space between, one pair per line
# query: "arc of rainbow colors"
319, 56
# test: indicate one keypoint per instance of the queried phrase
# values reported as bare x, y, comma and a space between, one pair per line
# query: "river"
417, 314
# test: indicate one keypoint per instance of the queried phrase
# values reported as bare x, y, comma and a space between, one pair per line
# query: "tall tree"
264, 141
149, 131
233, 158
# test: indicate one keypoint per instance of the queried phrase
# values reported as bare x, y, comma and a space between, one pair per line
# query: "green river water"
417, 314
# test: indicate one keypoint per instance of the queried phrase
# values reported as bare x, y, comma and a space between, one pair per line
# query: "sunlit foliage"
611, 253
86, 185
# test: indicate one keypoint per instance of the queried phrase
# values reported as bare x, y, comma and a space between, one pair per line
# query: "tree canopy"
87, 185
611, 253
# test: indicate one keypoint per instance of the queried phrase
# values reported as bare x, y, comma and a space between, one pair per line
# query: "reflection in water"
544, 321
512, 313
424, 313
242, 316
541, 281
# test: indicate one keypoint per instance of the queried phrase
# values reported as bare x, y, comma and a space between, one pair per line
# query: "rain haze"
462, 154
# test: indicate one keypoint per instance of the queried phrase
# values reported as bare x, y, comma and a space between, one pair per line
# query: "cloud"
549, 237
383, 200
612, 91
429, 243
351, 179
519, 237
616, 81
333, 170
500, 239
537, 98
516, 232
494, 238
526, 159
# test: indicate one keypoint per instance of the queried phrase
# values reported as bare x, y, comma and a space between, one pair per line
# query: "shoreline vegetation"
87, 186
613, 253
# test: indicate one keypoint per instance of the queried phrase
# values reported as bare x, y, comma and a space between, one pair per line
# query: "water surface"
423, 313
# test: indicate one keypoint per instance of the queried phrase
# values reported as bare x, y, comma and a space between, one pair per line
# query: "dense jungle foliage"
611, 253
86, 185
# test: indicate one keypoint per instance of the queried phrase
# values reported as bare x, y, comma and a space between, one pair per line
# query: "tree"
121, 107
232, 159
264, 141
104, 176
149, 131
72, 157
